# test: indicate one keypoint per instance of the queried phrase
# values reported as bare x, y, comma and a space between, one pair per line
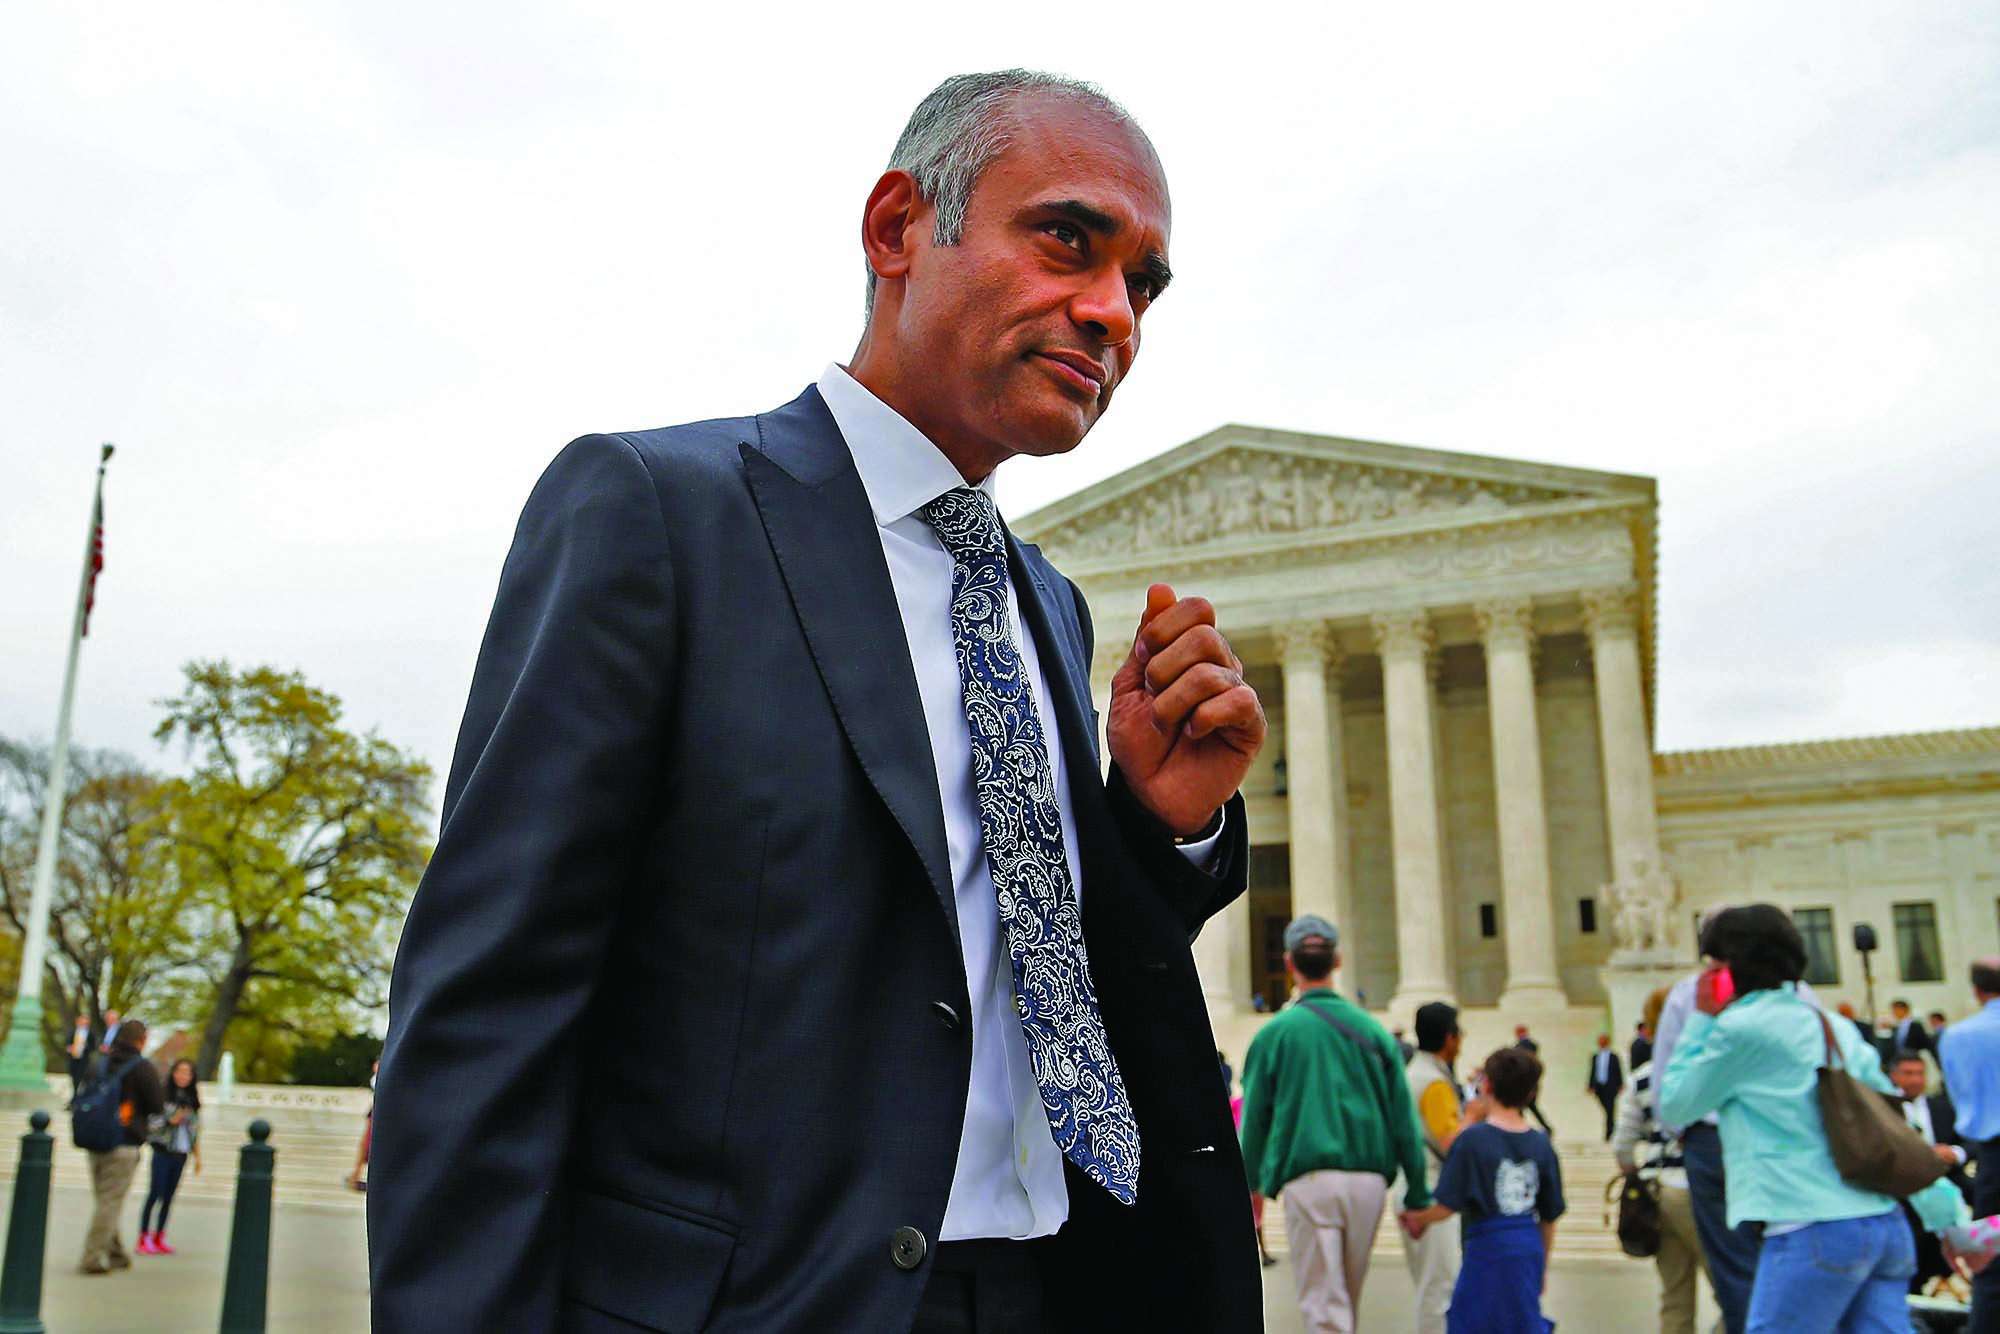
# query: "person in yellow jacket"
1442, 1112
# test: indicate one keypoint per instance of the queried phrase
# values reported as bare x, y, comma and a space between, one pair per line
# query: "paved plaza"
319, 1271
319, 1279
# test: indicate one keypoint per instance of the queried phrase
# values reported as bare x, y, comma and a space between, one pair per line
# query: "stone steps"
311, 1169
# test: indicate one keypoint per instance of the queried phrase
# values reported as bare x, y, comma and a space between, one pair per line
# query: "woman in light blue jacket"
1835, 1257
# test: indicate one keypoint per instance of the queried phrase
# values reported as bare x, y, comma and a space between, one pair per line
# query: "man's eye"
1142, 287
1066, 232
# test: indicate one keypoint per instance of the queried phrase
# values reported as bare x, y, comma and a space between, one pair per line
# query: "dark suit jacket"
1615, 1075
694, 784
1944, 1130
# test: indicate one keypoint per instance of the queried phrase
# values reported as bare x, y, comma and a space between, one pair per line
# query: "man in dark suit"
1906, 1031
779, 739
1933, 1117
1606, 1079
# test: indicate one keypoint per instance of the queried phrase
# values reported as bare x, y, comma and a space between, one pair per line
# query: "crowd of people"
155, 1112
1791, 1241
1717, 1119
1333, 1114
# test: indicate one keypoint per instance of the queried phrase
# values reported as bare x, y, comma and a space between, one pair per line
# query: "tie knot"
968, 524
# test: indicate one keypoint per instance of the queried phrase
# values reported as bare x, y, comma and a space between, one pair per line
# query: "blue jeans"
1728, 1253
166, 1179
1847, 1274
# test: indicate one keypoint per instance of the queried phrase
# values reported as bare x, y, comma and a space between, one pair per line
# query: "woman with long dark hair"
175, 1135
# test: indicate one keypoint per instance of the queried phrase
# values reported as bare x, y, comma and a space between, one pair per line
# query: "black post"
27, 1232
248, 1281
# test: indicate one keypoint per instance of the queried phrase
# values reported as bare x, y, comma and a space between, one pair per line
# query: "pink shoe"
160, 1246
145, 1246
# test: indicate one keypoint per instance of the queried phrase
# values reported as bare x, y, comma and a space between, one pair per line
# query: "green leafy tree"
301, 843
344, 1061
119, 917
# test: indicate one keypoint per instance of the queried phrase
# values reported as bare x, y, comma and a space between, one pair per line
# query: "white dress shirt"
1008, 1181
1917, 1111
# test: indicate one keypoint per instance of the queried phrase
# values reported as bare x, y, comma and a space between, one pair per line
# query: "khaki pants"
1433, 1265
1330, 1222
1679, 1261
110, 1177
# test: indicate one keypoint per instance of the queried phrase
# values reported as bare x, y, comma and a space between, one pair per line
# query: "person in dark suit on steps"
1607, 1077
779, 738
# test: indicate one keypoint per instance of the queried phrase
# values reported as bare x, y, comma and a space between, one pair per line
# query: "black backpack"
93, 1112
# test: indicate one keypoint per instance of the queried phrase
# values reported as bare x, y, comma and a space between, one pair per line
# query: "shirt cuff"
1202, 854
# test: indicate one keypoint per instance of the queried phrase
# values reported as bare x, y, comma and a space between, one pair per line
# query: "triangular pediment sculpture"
1249, 494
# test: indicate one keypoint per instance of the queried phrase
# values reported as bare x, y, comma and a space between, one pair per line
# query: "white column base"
1533, 996
1407, 999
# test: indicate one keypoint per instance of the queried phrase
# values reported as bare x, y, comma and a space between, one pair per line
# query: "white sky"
340, 278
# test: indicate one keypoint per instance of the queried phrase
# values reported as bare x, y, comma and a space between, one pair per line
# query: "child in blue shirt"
1505, 1179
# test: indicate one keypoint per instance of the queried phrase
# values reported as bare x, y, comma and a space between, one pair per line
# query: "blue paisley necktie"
1021, 825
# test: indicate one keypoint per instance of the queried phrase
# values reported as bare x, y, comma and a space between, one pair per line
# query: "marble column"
1533, 982
1315, 778
1612, 616
1405, 640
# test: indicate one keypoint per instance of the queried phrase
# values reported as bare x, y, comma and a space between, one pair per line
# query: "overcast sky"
340, 278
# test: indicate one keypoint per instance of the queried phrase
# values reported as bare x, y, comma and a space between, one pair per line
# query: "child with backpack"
117, 1091
1504, 1178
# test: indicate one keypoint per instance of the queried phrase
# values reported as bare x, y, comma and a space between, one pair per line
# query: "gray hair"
961, 126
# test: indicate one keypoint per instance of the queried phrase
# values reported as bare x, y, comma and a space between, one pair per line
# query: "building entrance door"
1270, 912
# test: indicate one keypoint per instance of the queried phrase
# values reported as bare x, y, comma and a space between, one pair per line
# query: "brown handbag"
1873, 1146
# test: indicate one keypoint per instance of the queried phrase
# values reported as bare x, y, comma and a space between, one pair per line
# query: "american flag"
96, 562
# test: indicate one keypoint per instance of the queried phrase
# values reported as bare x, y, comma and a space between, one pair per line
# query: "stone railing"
295, 1105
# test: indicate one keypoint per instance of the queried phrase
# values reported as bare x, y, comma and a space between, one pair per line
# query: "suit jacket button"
946, 1015
907, 1247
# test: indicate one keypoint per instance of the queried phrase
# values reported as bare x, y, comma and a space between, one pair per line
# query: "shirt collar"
901, 470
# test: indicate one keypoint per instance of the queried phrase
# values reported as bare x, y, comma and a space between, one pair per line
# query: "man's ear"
889, 223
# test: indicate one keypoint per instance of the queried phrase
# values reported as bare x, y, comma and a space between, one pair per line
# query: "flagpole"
22, 1062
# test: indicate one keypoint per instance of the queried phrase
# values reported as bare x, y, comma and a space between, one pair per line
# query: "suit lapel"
823, 534
1060, 648
1059, 643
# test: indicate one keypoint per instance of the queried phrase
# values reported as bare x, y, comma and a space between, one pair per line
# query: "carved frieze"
1245, 494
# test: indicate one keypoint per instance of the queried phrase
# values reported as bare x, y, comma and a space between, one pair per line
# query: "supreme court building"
1457, 655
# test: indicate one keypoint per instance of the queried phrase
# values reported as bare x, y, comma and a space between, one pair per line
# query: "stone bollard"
27, 1231
245, 1287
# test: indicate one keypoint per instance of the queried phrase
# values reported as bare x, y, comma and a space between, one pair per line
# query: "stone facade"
1901, 833
1456, 653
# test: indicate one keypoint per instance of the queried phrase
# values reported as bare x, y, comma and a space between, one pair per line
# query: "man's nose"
1105, 309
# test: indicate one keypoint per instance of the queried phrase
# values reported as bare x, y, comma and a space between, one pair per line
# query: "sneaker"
160, 1246
118, 1260
93, 1267
145, 1246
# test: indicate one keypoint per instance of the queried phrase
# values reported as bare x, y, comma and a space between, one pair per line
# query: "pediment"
1226, 491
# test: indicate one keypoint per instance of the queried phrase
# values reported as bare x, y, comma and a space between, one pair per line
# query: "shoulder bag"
1873, 1146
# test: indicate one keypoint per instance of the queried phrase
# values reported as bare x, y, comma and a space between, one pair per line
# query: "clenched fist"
1184, 725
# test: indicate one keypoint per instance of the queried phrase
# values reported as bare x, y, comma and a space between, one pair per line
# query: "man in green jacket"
1327, 1121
